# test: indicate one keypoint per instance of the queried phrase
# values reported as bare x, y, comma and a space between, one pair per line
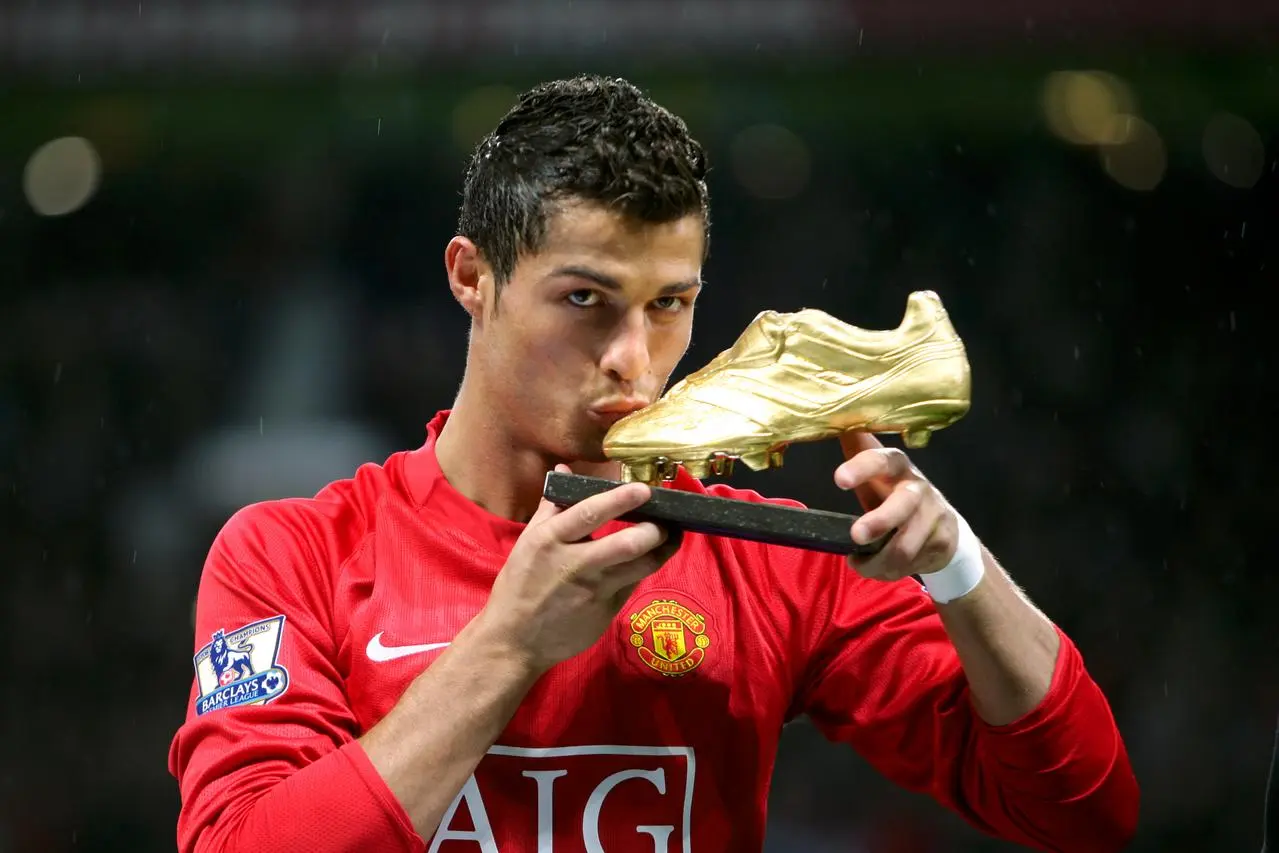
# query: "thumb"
854, 441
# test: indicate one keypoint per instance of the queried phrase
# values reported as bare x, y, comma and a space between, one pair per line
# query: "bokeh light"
1081, 107
770, 161
62, 176
1140, 160
1233, 150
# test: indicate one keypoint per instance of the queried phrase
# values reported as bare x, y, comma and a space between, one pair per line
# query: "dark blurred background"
221, 237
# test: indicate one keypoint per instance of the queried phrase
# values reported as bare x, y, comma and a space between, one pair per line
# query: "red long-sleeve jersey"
315, 615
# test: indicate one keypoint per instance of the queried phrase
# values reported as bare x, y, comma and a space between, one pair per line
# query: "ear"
470, 276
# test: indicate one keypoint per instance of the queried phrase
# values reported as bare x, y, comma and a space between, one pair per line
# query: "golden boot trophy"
789, 378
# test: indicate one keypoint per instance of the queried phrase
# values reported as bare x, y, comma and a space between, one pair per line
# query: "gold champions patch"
669, 637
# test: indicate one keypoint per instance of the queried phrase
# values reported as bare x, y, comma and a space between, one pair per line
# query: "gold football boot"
800, 377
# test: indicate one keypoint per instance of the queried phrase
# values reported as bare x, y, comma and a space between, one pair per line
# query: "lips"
613, 411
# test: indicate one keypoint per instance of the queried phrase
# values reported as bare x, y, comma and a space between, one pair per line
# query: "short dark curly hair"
588, 138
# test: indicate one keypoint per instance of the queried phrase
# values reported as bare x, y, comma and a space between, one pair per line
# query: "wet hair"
593, 139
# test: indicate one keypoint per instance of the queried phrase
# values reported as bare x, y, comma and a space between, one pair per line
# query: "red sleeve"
884, 678
267, 755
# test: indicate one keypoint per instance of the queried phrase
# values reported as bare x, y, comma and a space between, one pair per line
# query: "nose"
626, 356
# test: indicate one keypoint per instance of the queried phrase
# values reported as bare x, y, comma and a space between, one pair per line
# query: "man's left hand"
895, 495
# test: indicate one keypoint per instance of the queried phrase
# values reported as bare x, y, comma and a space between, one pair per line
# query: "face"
586, 330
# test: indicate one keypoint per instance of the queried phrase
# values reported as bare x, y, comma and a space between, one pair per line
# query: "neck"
494, 468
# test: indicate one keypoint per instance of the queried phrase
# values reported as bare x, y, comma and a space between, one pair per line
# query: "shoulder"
318, 533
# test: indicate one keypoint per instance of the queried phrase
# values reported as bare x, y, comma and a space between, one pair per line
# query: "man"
443, 660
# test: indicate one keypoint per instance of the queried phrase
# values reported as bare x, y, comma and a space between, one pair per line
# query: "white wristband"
964, 571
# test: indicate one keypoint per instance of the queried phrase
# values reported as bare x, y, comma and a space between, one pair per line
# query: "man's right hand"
555, 597
560, 589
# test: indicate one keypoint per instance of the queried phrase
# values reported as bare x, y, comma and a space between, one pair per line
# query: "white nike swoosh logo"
380, 653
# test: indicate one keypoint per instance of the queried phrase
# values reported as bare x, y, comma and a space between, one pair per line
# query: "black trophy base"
811, 529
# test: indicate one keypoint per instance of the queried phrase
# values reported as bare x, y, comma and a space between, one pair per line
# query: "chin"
593, 454
587, 445
588, 449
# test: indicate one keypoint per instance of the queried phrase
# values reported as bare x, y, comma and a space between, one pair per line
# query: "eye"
668, 303
583, 298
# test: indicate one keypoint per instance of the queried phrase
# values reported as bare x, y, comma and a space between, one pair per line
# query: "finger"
854, 441
870, 465
630, 543
906, 554
896, 510
909, 544
668, 549
626, 576
581, 520
899, 555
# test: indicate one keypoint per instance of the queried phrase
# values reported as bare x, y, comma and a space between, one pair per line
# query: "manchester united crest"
669, 637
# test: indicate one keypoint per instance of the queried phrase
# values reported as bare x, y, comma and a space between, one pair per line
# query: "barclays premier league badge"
239, 668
